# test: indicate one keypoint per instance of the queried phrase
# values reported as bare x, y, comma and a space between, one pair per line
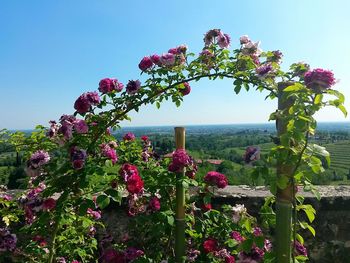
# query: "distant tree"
16, 175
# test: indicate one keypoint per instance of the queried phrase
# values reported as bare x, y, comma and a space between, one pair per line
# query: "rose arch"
76, 167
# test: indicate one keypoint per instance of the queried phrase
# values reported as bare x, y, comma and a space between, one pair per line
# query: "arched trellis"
216, 63
299, 93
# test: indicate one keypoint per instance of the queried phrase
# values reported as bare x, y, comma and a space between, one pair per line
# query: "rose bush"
76, 167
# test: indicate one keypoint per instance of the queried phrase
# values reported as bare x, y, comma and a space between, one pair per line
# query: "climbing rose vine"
77, 167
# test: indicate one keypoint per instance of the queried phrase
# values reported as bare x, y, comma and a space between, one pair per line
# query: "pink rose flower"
134, 184
108, 85
85, 101
146, 63
38, 159
156, 59
94, 214
216, 179
319, 79
133, 86
167, 59
224, 40
109, 152
154, 204
49, 204
129, 136
244, 39
210, 245
128, 170
80, 126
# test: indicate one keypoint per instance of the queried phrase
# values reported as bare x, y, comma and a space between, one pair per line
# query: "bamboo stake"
180, 202
285, 197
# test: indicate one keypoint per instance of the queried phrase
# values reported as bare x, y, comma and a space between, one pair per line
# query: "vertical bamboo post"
180, 202
284, 197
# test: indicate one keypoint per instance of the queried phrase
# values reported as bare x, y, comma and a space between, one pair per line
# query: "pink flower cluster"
134, 184
276, 57
130, 174
108, 85
38, 159
85, 101
146, 148
133, 86
49, 204
175, 56
94, 213
207, 58
180, 160
251, 154
52, 131
78, 157
237, 236
68, 123
250, 48
109, 152
264, 70
216, 36
299, 249
129, 136
33, 203
319, 79
154, 204
210, 245
216, 179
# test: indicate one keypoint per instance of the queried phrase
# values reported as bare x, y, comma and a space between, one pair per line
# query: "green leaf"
309, 211
114, 194
300, 238
304, 118
343, 110
318, 98
247, 245
231, 243
338, 94
237, 89
108, 163
170, 220
295, 87
312, 230
102, 201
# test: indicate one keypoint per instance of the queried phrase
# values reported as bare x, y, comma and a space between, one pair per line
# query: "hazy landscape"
217, 147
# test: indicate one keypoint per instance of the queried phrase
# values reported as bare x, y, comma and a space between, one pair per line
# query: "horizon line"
191, 125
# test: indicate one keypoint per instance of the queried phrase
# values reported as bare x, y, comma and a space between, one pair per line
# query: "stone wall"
332, 223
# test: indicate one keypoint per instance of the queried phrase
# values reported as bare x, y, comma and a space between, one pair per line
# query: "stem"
284, 197
53, 242
58, 217
180, 202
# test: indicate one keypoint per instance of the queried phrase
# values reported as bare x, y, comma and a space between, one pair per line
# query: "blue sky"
52, 51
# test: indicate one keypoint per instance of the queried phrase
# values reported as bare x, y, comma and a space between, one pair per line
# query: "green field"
337, 174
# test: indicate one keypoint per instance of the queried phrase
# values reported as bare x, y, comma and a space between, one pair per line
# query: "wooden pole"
285, 197
180, 202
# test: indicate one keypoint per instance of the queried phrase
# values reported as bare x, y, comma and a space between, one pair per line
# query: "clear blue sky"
52, 51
